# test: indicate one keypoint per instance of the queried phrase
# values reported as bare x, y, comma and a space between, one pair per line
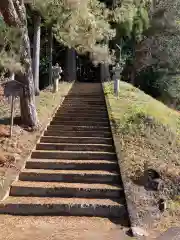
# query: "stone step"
81, 110
78, 140
82, 114
80, 119
87, 102
79, 95
86, 98
86, 105
97, 96
59, 126
73, 155
74, 147
72, 164
80, 104
72, 176
78, 134
63, 207
57, 189
82, 123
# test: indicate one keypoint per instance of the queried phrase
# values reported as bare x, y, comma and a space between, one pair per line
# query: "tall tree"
36, 50
14, 14
78, 24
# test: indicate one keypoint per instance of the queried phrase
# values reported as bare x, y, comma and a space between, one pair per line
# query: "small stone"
137, 231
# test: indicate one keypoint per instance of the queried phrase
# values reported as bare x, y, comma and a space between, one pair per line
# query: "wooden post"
12, 108
12, 115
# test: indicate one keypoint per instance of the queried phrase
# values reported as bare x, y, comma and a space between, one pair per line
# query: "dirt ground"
57, 228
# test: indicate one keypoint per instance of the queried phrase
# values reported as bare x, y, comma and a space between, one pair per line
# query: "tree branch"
9, 13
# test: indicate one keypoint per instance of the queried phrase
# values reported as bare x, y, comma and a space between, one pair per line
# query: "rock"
137, 232
162, 205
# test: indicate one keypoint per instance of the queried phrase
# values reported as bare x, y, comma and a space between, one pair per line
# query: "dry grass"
148, 135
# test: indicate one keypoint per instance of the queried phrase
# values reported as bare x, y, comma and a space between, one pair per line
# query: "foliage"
169, 85
130, 19
160, 47
151, 38
9, 47
83, 25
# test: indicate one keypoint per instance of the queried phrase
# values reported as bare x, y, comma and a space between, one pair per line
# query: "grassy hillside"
149, 138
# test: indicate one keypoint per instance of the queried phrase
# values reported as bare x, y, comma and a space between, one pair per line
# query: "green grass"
152, 126
147, 134
134, 107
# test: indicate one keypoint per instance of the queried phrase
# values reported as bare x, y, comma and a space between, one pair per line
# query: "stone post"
116, 79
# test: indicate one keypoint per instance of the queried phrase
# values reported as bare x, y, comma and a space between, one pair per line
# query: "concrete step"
82, 110
72, 176
78, 134
74, 147
63, 207
74, 114
80, 104
85, 98
73, 155
56, 189
81, 124
59, 126
92, 97
80, 119
79, 95
78, 140
84, 104
72, 164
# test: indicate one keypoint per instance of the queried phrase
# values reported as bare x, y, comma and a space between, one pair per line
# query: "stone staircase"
73, 170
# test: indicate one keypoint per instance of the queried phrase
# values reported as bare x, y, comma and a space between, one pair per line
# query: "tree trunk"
14, 14
36, 51
106, 73
132, 76
102, 72
50, 43
71, 64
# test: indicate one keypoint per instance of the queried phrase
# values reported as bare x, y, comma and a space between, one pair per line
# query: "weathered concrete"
80, 140
74, 147
54, 189
82, 176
